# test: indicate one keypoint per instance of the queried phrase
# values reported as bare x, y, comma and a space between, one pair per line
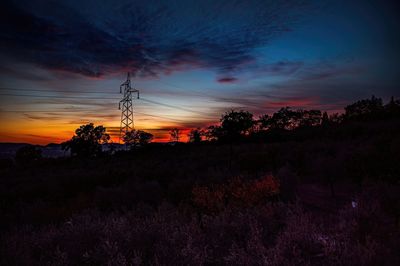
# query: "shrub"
28, 154
288, 184
237, 192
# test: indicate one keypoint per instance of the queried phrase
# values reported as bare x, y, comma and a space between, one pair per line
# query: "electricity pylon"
127, 107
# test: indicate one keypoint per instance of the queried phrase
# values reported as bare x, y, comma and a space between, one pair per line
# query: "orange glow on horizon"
41, 133
43, 129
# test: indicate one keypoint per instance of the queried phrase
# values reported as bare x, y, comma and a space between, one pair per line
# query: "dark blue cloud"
148, 37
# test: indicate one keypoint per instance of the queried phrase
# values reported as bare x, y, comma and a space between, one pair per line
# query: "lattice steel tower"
127, 107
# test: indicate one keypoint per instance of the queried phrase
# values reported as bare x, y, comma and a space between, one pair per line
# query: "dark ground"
201, 204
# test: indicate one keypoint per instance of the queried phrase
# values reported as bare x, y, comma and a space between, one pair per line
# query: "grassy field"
321, 196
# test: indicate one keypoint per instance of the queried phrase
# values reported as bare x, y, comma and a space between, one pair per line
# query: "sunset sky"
63, 61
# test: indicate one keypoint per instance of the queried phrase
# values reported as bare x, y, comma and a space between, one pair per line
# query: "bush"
28, 154
237, 192
288, 184
272, 234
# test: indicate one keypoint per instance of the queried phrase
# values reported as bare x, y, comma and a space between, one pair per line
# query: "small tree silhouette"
195, 135
175, 134
264, 122
213, 133
393, 108
365, 109
235, 124
136, 138
309, 118
285, 118
87, 141
325, 119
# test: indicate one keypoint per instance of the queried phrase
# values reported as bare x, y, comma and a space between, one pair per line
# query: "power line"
61, 97
173, 106
97, 92
162, 117
102, 98
43, 111
86, 111
57, 91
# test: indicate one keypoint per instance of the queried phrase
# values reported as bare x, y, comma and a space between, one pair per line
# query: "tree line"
236, 126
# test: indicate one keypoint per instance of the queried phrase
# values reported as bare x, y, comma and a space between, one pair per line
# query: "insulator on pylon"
127, 107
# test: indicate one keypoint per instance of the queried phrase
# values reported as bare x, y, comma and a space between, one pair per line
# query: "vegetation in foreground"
325, 193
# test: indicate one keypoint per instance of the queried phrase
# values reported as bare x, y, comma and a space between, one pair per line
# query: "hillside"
316, 196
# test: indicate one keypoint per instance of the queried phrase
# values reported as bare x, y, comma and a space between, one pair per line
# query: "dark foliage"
28, 154
239, 126
234, 126
175, 134
325, 192
137, 138
196, 135
237, 123
267, 234
87, 141
365, 109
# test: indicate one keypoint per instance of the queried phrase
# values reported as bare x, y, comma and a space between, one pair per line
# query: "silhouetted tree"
28, 154
87, 140
235, 124
213, 133
392, 108
175, 134
131, 138
195, 135
285, 118
336, 118
136, 138
364, 109
145, 137
264, 122
309, 118
325, 119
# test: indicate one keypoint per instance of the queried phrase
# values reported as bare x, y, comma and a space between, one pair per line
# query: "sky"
63, 61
